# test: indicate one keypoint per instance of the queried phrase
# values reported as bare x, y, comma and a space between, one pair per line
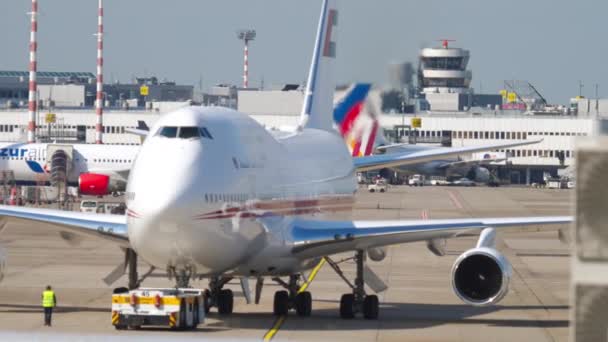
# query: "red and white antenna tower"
99, 101
32, 105
246, 36
445, 42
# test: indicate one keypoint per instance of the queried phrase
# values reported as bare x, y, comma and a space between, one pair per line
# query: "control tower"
444, 70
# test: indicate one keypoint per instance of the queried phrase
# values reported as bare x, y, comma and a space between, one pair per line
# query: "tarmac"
418, 306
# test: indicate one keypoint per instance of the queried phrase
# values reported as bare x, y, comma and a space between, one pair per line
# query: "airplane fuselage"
222, 203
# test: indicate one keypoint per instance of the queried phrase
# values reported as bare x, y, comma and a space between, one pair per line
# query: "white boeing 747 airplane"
213, 194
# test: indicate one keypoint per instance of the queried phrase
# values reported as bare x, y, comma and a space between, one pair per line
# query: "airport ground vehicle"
416, 180
379, 185
463, 182
176, 308
556, 183
88, 206
93, 206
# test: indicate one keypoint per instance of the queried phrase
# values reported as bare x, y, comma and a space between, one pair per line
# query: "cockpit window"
185, 132
205, 133
168, 132
188, 132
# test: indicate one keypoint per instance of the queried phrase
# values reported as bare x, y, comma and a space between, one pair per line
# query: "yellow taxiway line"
281, 319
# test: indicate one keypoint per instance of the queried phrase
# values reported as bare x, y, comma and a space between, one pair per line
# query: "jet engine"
480, 276
2, 263
98, 184
377, 253
479, 174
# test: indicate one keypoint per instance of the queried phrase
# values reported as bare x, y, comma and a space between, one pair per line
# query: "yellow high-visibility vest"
48, 299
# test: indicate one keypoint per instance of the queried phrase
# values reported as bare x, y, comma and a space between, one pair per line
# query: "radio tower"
99, 102
32, 105
246, 36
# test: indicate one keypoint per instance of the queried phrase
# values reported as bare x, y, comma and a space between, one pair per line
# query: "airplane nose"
162, 177
160, 196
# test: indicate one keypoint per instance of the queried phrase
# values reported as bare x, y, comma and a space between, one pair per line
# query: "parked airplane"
362, 133
96, 169
213, 194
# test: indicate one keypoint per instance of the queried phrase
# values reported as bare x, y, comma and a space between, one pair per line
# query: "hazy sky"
551, 43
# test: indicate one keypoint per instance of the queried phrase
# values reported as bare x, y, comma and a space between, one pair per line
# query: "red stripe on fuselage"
283, 207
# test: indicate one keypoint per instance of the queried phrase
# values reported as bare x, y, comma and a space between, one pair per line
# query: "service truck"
176, 308
379, 185
416, 180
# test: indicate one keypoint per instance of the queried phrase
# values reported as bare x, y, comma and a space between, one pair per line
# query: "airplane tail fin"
357, 126
318, 100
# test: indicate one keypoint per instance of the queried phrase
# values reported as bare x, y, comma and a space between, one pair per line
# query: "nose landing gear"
221, 298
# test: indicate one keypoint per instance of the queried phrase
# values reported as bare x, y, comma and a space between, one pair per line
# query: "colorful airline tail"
358, 127
321, 84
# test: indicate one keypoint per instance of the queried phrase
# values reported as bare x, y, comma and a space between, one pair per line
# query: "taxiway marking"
455, 200
281, 319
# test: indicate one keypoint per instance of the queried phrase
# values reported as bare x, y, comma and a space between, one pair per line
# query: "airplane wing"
322, 238
375, 162
70, 224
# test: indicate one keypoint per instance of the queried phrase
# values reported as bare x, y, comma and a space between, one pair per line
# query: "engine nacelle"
479, 174
377, 253
480, 276
95, 184
3, 258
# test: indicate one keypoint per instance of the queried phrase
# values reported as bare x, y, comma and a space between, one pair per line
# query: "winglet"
318, 101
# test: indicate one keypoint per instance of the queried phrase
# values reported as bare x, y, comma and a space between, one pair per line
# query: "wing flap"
107, 227
321, 238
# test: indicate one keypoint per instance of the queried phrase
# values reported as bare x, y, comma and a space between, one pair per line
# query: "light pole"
246, 36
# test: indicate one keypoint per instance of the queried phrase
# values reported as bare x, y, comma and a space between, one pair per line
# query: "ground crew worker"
49, 301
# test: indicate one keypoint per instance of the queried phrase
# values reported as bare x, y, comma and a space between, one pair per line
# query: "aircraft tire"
371, 307
347, 306
304, 304
225, 302
206, 298
281, 303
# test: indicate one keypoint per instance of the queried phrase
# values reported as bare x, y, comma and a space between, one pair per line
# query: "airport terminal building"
526, 164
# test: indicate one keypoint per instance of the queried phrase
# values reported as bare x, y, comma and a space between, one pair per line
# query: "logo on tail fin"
357, 128
329, 49
321, 84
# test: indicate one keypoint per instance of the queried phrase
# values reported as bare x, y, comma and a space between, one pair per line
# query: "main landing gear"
358, 301
292, 298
